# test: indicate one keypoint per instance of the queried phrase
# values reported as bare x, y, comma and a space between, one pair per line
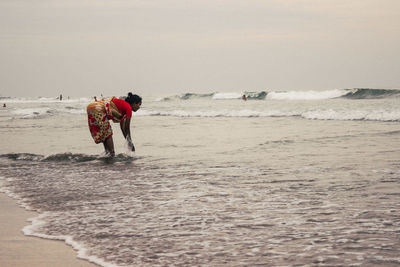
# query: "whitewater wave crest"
367, 93
356, 93
41, 112
6, 99
217, 96
28, 113
306, 95
330, 114
317, 114
68, 157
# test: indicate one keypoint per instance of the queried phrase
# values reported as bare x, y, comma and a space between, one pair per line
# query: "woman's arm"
126, 131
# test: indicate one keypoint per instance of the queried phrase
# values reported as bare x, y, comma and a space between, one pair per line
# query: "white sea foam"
37, 112
73, 110
218, 113
34, 230
371, 115
31, 112
45, 100
317, 114
226, 96
306, 95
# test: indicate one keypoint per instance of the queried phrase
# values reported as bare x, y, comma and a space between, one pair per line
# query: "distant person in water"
244, 97
4, 105
60, 97
117, 110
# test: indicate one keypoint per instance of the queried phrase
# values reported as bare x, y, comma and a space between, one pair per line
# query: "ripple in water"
136, 212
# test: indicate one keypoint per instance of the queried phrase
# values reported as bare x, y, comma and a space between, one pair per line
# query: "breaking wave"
306, 95
29, 113
6, 99
366, 93
317, 114
67, 157
217, 96
41, 112
356, 93
187, 96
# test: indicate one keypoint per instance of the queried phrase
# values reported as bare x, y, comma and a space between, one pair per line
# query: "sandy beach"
19, 250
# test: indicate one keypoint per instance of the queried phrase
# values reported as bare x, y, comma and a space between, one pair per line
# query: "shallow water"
214, 190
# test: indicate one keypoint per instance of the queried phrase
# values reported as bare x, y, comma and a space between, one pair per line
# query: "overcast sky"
88, 47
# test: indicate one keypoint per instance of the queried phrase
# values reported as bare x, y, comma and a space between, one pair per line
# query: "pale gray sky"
88, 47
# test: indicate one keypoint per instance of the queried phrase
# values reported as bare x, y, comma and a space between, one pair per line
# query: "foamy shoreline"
17, 250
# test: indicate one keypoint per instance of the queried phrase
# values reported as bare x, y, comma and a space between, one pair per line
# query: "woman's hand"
127, 132
131, 146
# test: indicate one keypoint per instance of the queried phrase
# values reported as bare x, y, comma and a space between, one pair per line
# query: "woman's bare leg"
109, 146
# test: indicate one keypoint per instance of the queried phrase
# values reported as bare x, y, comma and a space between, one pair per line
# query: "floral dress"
99, 114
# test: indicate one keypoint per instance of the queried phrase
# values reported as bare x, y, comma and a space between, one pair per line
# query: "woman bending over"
101, 112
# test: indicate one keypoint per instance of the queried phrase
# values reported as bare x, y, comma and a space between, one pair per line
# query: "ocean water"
285, 178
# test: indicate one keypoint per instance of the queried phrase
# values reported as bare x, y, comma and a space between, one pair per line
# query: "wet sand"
19, 250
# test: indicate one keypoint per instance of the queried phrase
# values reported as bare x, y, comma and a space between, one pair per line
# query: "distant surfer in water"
117, 110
